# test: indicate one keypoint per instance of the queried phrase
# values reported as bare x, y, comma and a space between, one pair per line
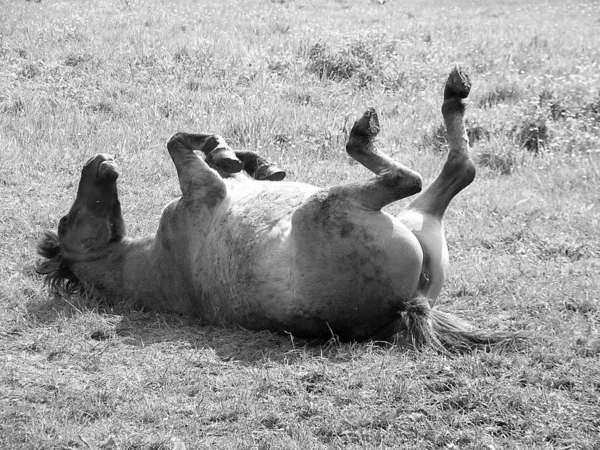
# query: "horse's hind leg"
458, 171
330, 207
423, 216
393, 181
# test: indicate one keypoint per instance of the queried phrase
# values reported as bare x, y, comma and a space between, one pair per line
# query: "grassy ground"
288, 77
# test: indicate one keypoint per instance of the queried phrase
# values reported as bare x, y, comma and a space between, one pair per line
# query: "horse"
282, 256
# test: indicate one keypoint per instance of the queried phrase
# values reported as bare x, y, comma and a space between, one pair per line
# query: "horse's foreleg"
423, 216
258, 167
196, 179
217, 151
393, 182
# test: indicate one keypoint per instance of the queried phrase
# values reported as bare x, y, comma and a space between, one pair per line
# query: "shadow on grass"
142, 329
229, 343
45, 310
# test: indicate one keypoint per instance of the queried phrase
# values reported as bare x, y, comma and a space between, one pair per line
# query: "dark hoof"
458, 84
367, 125
224, 159
270, 173
278, 175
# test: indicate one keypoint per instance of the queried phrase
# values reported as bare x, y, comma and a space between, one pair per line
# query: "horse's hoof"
225, 160
270, 173
367, 126
277, 175
458, 83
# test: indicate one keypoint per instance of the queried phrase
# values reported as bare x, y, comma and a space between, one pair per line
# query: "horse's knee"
198, 182
402, 181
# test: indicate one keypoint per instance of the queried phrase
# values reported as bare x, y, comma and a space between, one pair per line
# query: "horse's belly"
354, 278
244, 265
264, 266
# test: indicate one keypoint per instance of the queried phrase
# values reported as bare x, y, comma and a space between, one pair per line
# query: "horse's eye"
62, 223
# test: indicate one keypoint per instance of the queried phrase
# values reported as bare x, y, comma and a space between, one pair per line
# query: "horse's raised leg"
258, 167
196, 179
219, 156
393, 182
423, 216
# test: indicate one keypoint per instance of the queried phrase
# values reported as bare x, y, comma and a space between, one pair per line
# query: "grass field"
288, 77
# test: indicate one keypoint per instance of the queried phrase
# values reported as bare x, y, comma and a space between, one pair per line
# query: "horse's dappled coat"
285, 256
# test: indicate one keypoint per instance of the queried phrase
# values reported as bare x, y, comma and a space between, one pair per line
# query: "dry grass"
288, 78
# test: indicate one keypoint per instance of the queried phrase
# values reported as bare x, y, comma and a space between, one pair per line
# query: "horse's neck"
127, 271
140, 274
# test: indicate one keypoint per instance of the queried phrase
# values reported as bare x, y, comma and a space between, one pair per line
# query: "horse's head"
92, 224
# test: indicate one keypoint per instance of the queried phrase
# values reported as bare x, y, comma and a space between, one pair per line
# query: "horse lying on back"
286, 256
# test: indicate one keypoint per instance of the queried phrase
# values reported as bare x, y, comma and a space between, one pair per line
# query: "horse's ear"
48, 266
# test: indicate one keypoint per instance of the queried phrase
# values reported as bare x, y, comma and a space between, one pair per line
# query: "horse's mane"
62, 279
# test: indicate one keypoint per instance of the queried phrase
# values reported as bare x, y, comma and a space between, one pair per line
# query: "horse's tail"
422, 326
